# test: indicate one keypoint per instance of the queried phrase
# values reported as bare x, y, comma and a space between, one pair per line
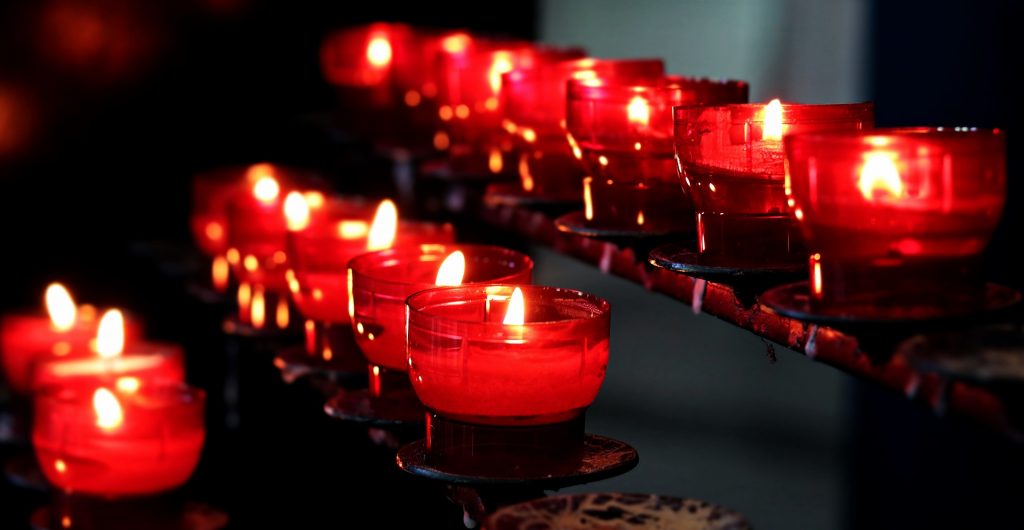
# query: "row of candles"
878, 210
875, 213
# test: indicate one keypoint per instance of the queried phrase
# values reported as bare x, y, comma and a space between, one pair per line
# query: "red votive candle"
470, 99
731, 163
623, 132
69, 331
381, 281
112, 442
141, 364
897, 217
336, 232
534, 115
467, 364
384, 75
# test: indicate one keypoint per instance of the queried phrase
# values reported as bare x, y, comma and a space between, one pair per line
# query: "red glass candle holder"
27, 340
112, 443
897, 217
731, 164
623, 132
470, 99
381, 281
534, 115
384, 76
141, 364
501, 393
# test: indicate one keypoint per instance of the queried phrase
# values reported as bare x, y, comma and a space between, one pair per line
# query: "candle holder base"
153, 513
793, 300
394, 408
723, 269
601, 458
513, 195
575, 223
22, 471
345, 366
615, 511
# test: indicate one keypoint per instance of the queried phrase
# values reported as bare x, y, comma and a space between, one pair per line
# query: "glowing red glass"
896, 217
623, 131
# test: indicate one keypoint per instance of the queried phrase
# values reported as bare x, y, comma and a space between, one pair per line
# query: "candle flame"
353, 229
456, 43
384, 227
214, 231
816, 285
452, 270
879, 176
110, 334
258, 308
495, 162
638, 111
60, 306
128, 384
282, 315
244, 298
310, 328
219, 271
266, 189
773, 120
378, 51
516, 312
296, 211
109, 414
502, 64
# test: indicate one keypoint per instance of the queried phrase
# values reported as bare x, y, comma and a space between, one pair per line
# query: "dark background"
108, 107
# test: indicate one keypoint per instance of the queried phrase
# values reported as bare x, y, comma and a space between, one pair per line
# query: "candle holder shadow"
615, 511
880, 327
575, 223
334, 355
747, 278
991, 357
513, 194
161, 512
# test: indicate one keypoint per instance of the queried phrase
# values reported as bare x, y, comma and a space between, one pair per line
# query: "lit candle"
622, 131
115, 442
381, 282
470, 99
143, 363
481, 354
897, 217
534, 116
67, 331
731, 163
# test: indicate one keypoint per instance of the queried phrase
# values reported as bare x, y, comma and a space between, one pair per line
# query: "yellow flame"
773, 120
639, 111
219, 271
310, 328
110, 334
214, 231
516, 312
296, 211
266, 189
524, 172
351, 302
258, 309
378, 52
128, 384
353, 229
495, 162
456, 43
462, 111
529, 135
314, 199
816, 274
109, 414
588, 199
60, 306
384, 227
502, 63
879, 175
60, 466
233, 256
251, 263
282, 316
328, 353
244, 297
640, 218
452, 270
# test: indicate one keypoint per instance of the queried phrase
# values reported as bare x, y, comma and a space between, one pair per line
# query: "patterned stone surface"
615, 511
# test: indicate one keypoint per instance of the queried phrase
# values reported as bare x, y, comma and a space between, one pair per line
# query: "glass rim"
360, 263
878, 138
421, 302
599, 89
